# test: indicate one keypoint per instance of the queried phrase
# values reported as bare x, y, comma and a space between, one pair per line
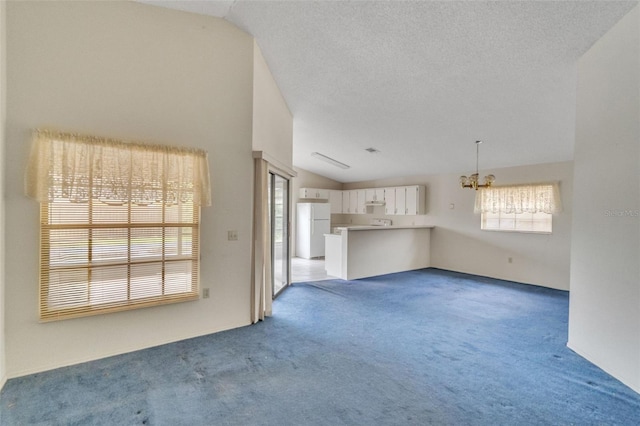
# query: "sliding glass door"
279, 220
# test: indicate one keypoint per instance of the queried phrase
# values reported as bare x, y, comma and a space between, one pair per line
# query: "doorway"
279, 221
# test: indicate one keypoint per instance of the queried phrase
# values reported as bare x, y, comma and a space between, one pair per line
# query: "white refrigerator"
312, 223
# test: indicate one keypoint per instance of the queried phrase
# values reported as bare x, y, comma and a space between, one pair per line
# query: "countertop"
381, 228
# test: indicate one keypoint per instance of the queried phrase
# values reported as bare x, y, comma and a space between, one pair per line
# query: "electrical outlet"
232, 235
205, 293
510, 260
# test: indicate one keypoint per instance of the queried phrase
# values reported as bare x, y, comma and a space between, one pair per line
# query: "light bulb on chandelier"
473, 180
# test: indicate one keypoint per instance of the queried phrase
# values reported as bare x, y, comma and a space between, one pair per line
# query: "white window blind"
119, 223
517, 222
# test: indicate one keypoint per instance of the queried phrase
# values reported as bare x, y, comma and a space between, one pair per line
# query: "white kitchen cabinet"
353, 201
395, 199
390, 201
314, 193
335, 200
374, 195
415, 200
356, 200
405, 200
401, 200
346, 201
361, 208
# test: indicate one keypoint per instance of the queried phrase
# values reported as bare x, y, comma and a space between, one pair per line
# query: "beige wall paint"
3, 94
458, 244
306, 179
272, 120
135, 72
604, 313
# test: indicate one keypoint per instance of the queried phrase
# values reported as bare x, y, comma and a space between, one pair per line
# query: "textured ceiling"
422, 80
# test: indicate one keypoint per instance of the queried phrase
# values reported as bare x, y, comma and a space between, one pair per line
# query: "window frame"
119, 223
519, 204
548, 220
49, 313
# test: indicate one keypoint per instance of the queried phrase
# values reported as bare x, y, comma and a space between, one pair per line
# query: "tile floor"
308, 270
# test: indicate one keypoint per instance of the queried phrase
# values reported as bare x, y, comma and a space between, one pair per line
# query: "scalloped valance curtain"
530, 198
79, 168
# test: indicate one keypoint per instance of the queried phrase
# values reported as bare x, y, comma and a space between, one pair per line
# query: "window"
520, 222
119, 223
518, 208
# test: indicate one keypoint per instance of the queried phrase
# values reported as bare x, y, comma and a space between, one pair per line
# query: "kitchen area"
349, 234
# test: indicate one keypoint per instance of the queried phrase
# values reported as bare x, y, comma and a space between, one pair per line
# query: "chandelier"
472, 181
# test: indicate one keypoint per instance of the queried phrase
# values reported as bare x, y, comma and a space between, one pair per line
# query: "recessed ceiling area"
421, 81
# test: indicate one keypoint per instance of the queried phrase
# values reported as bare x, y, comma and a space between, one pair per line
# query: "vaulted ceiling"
421, 81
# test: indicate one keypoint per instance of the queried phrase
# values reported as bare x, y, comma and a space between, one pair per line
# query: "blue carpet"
420, 347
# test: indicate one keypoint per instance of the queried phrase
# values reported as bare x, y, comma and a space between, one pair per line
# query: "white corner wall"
135, 72
458, 244
272, 120
604, 314
3, 94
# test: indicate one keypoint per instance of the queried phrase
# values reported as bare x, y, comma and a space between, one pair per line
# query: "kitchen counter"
380, 250
381, 228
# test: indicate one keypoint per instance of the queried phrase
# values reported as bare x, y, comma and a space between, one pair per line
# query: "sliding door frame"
261, 274
273, 175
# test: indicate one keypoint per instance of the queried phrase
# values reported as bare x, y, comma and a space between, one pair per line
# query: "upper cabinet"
405, 200
360, 204
346, 201
395, 202
353, 201
314, 194
415, 200
335, 201
374, 195
390, 201
399, 200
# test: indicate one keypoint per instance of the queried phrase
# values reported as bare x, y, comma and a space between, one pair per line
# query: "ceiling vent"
372, 151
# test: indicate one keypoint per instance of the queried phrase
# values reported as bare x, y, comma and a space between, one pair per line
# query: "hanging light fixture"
472, 181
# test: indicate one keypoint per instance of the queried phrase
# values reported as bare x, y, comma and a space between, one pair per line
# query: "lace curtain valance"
79, 168
532, 198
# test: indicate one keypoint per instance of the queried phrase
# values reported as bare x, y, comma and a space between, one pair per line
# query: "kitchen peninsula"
354, 252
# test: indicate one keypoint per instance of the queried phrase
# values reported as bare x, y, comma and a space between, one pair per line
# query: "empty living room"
245, 212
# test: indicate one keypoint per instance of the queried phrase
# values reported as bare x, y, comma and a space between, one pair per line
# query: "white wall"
604, 314
307, 179
272, 120
458, 244
134, 72
3, 86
